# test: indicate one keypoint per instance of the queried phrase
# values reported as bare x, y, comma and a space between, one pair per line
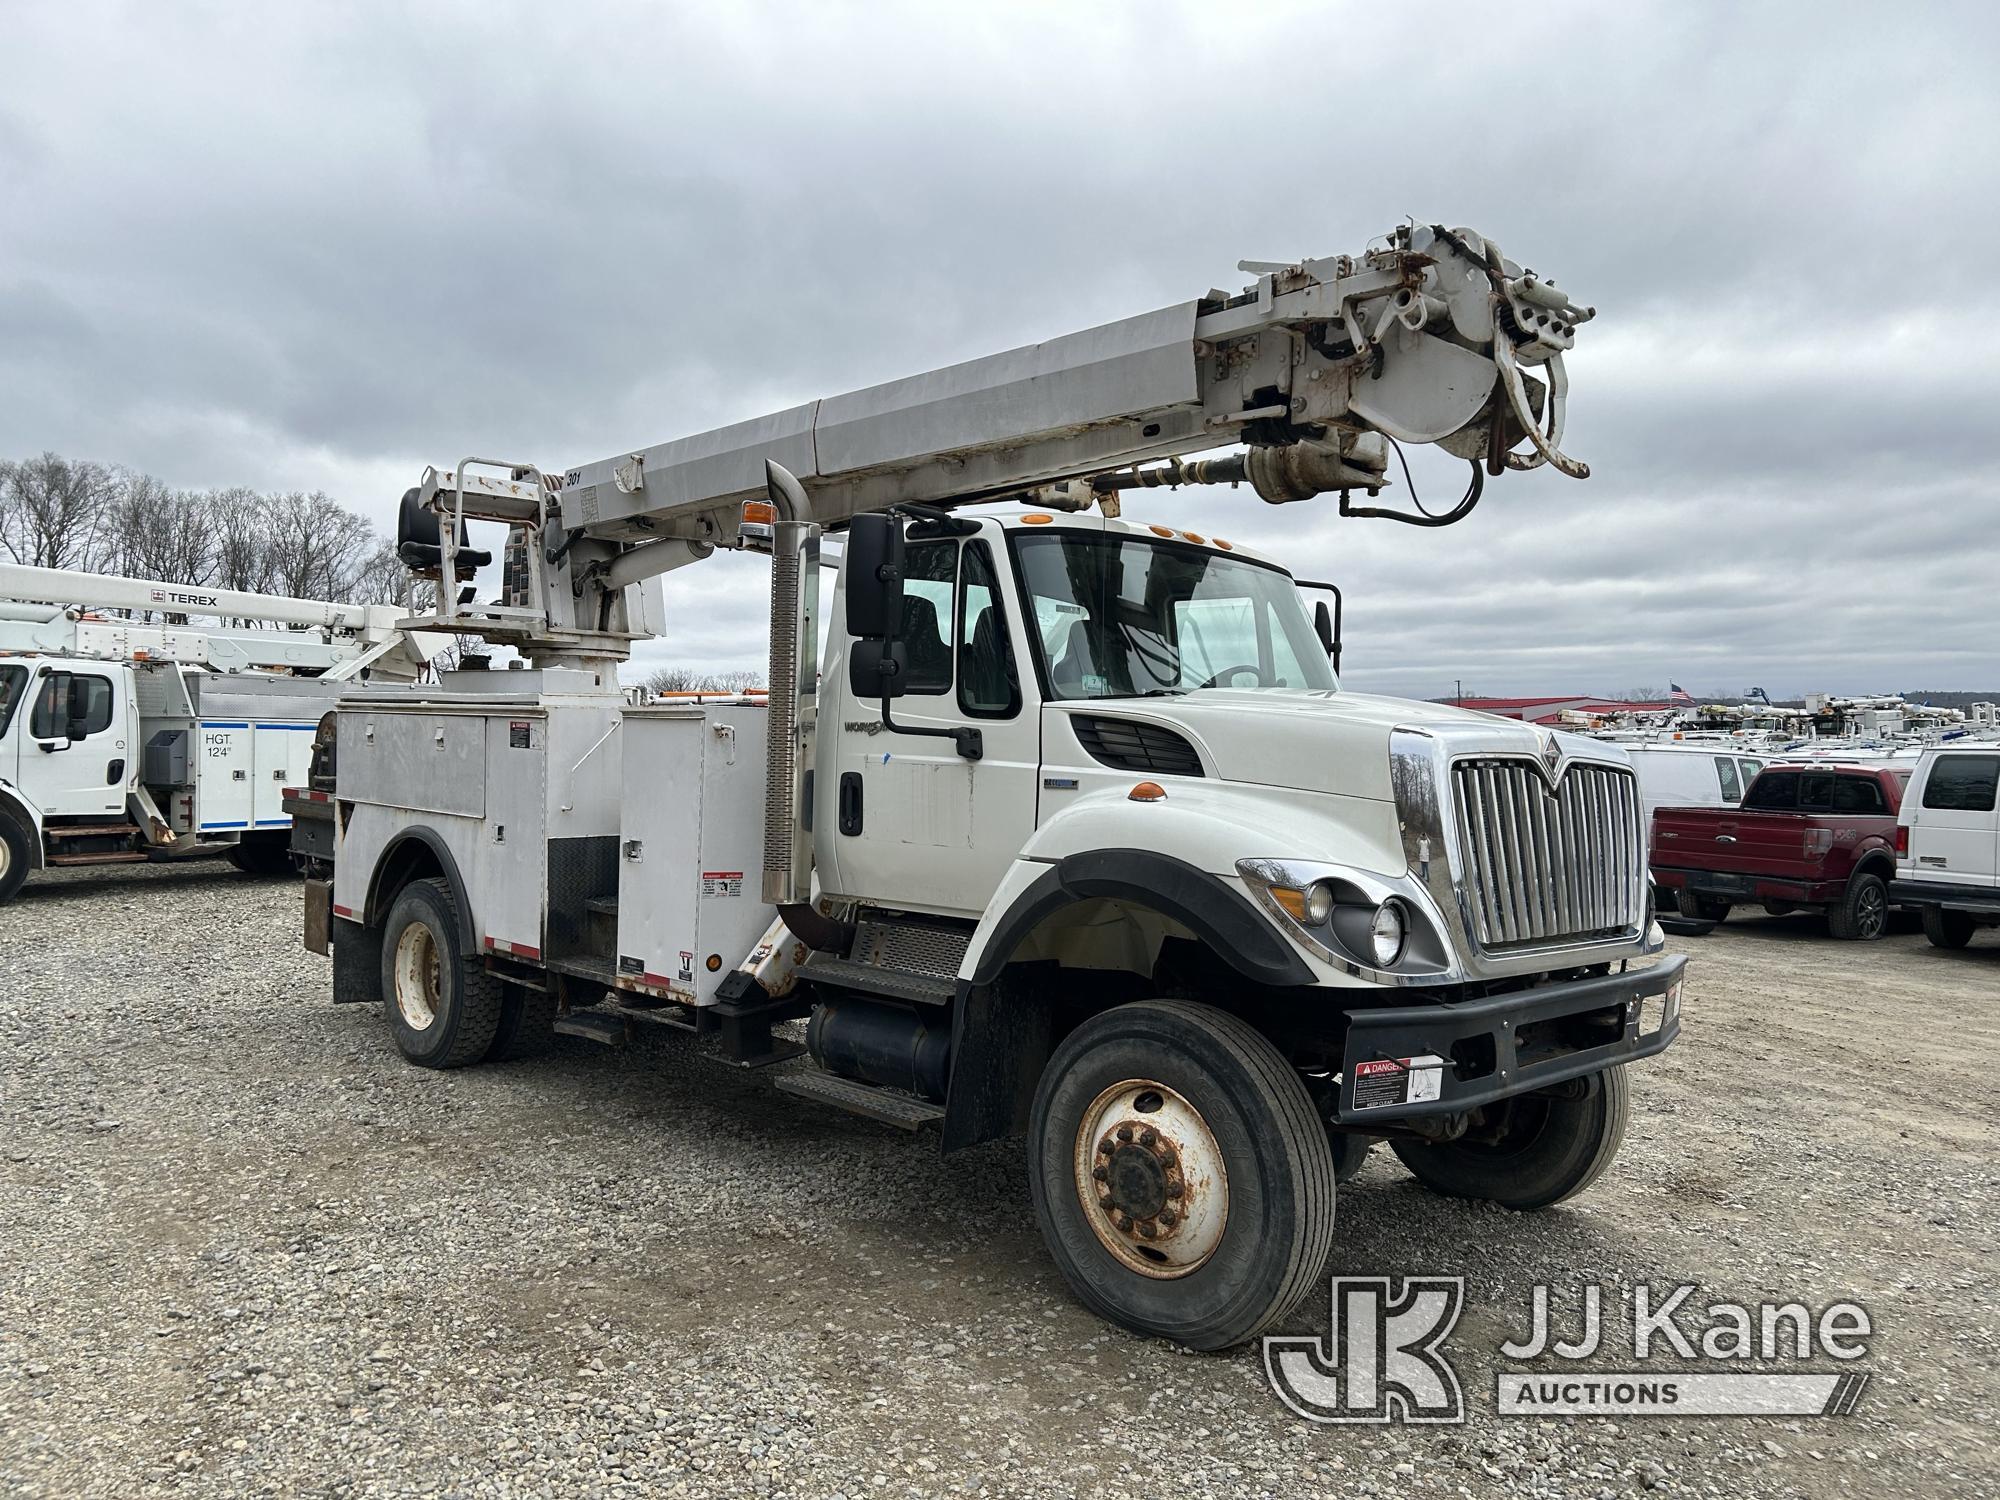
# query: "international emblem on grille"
1552, 760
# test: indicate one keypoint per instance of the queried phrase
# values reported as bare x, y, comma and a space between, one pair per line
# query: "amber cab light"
1148, 791
759, 513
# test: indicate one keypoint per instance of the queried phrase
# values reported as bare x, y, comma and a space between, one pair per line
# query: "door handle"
1725, 838
850, 803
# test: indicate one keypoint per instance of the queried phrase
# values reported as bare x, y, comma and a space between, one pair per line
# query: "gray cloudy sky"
324, 246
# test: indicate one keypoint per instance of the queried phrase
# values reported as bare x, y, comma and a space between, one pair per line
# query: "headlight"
1386, 933
1319, 903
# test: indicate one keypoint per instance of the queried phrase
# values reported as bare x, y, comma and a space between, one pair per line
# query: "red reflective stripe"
342, 911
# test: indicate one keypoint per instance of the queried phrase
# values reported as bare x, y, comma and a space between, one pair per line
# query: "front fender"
1213, 908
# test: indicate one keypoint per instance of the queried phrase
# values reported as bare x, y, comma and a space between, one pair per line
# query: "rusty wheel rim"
1150, 1178
418, 977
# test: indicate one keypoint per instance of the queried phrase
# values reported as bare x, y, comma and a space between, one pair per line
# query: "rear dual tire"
444, 1009
1181, 1175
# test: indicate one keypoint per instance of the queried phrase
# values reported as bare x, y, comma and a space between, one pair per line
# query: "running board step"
90, 830
122, 857
904, 1111
597, 1025
872, 979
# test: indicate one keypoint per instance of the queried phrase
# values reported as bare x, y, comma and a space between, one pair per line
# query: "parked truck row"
1849, 842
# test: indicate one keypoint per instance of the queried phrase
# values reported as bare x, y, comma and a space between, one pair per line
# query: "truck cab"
67, 763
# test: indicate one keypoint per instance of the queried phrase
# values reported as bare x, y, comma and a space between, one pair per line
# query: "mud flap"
319, 917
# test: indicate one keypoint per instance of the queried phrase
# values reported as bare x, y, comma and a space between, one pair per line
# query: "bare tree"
695, 680
242, 550
52, 512
163, 533
319, 548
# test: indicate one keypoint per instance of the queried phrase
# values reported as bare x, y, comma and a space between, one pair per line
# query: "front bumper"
1407, 1061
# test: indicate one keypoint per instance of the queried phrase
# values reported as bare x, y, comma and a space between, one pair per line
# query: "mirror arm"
970, 742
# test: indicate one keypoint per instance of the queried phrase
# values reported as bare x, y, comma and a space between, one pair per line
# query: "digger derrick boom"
1429, 340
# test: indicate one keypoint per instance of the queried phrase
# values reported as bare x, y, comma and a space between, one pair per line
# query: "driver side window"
929, 571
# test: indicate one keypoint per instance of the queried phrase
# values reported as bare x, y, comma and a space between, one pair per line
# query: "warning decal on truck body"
722, 882
1397, 1080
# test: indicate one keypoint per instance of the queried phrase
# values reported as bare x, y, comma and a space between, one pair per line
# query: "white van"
1948, 843
1673, 773
1691, 774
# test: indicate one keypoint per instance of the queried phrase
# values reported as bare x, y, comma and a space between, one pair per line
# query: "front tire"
16, 856
1862, 913
1542, 1149
1181, 1176
444, 1009
1948, 929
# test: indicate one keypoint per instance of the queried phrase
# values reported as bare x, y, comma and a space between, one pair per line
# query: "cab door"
76, 751
918, 826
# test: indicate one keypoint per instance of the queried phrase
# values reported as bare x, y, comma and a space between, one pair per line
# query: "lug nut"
1175, 1187
1104, 1199
1121, 1219
1169, 1218
1147, 1231
1124, 1132
1101, 1174
1148, 1136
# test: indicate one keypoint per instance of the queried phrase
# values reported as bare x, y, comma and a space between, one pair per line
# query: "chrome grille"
1549, 869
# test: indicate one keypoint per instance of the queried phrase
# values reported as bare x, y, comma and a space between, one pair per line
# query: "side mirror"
50, 719
1326, 622
875, 670
874, 578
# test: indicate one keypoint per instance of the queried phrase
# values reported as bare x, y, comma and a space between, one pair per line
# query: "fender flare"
13, 805
1872, 858
1207, 905
374, 910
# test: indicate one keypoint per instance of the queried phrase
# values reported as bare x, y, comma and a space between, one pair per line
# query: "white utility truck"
1071, 829
123, 740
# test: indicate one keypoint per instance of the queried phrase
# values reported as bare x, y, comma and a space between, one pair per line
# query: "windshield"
1118, 617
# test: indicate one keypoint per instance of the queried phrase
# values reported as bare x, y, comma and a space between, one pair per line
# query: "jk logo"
1381, 1361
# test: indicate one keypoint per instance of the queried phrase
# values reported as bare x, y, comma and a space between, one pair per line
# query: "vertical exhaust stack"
793, 703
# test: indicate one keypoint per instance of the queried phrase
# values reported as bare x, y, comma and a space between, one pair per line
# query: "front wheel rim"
1150, 1179
419, 976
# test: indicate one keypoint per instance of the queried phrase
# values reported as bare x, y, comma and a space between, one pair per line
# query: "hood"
1334, 742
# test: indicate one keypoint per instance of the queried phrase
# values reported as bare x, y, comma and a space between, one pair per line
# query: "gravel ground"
244, 1249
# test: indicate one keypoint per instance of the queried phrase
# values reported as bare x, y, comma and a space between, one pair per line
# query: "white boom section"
1425, 341
42, 611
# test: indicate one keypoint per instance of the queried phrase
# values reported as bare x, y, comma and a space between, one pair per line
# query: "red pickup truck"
1806, 838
